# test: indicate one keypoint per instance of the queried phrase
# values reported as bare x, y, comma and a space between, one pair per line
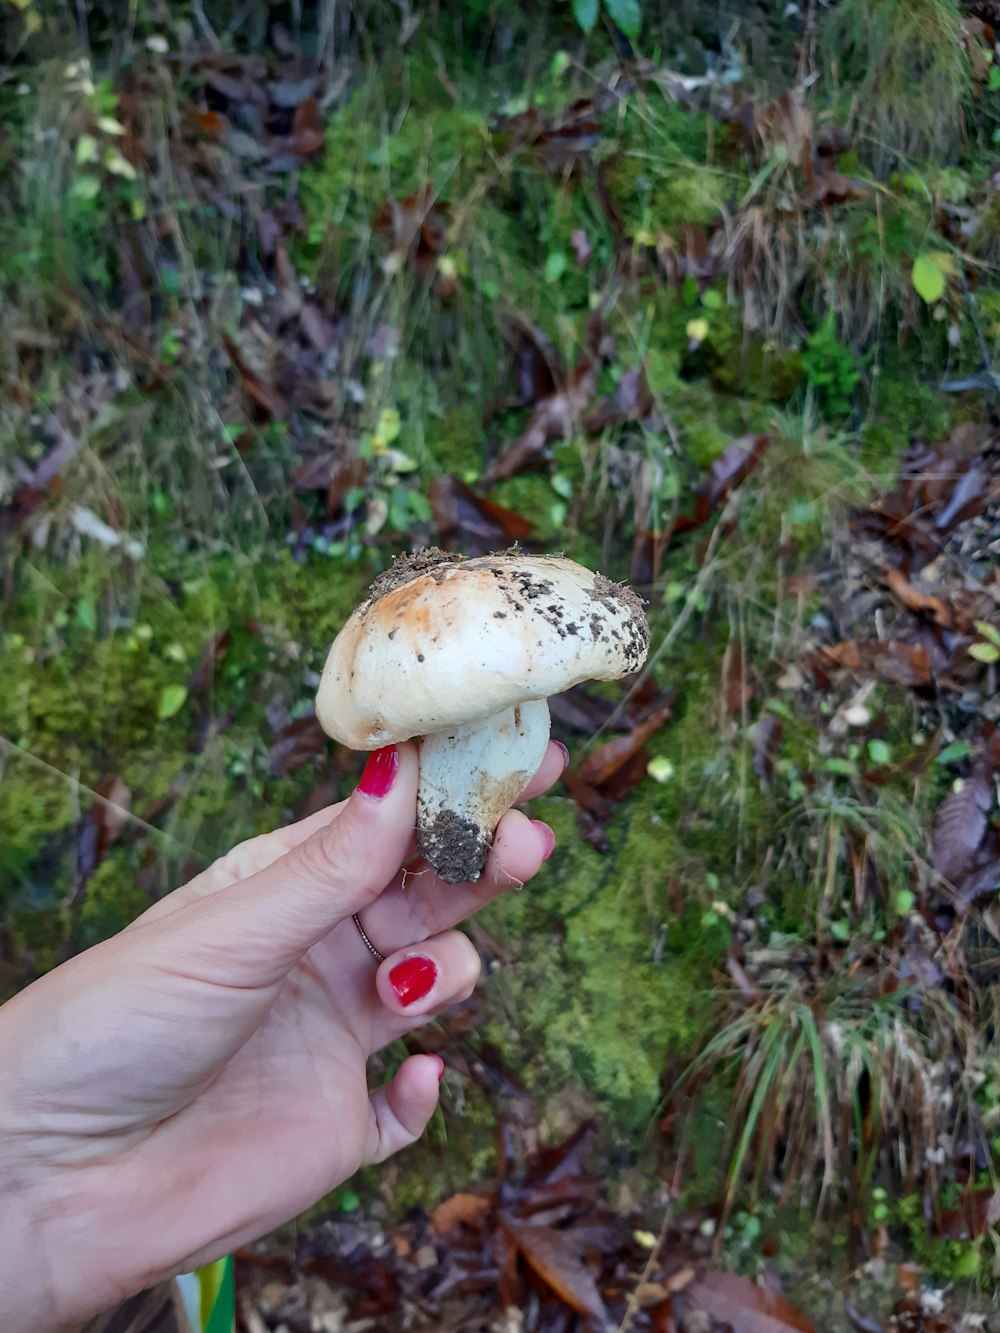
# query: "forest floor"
270, 320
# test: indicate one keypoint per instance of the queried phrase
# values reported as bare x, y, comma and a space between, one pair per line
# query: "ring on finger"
379, 957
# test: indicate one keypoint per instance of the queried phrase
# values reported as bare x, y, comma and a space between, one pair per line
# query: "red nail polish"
440, 1067
549, 836
565, 754
380, 772
412, 979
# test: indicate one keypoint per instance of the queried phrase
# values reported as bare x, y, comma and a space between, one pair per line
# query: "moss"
82, 699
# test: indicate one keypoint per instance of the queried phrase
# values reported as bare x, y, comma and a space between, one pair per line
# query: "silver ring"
379, 957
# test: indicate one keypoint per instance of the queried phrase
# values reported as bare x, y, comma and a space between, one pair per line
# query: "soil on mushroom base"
452, 843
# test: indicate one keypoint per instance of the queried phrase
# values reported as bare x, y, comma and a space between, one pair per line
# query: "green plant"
626, 15
830, 367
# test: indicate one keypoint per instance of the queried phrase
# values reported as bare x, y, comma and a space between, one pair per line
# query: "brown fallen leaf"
978, 1210
555, 1257
307, 134
961, 821
470, 521
463, 1209
746, 1307
607, 759
767, 741
296, 744
891, 660
915, 600
552, 418
731, 468
266, 396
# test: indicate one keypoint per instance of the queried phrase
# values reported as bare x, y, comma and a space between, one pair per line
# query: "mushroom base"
454, 845
469, 778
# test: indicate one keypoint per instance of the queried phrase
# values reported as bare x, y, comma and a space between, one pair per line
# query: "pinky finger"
400, 1111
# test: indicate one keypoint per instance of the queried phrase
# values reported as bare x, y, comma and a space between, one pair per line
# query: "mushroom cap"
443, 641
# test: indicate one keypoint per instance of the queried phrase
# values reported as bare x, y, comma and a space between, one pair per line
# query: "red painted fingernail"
548, 835
380, 772
440, 1067
412, 979
564, 752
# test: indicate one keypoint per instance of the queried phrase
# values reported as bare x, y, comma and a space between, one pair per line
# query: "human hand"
198, 1079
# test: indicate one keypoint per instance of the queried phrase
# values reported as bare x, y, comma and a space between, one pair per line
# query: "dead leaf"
731, 468
265, 396
296, 744
471, 522
555, 1257
893, 661
555, 417
767, 741
978, 1210
604, 762
461, 1209
746, 1307
959, 827
307, 134
631, 401
915, 600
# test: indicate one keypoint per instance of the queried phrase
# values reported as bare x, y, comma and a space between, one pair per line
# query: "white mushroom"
464, 653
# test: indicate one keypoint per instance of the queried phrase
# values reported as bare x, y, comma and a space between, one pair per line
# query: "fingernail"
380, 772
548, 835
412, 979
440, 1067
565, 754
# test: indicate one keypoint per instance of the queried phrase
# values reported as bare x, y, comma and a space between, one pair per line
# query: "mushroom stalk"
469, 777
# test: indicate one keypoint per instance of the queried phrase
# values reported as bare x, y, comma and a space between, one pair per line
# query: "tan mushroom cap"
444, 641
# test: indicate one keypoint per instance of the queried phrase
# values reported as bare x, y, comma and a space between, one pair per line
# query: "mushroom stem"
469, 777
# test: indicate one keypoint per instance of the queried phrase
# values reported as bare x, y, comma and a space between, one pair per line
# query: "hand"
197, 1080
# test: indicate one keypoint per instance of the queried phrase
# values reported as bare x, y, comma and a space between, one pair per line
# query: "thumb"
401, 1109
255, 931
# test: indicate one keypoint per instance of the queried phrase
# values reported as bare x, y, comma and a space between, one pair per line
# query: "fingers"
401, 1110
421, 980
419, 904
252, 933
256, 854
553, 766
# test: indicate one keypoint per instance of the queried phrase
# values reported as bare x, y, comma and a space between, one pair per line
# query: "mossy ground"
607, 967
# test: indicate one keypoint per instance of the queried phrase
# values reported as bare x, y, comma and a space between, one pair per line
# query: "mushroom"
464, 653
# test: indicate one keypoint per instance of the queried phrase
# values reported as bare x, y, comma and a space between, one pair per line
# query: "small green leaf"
86, 187
711, 300
562, 485
988, 631
585, 13
555, 265
952, 753
660, 768
904, 902
841, 766
994, 80
86, 149
879, 752
840, 930
420, 507
928, 278
172, 700
626, 15
985, 652
86, 615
